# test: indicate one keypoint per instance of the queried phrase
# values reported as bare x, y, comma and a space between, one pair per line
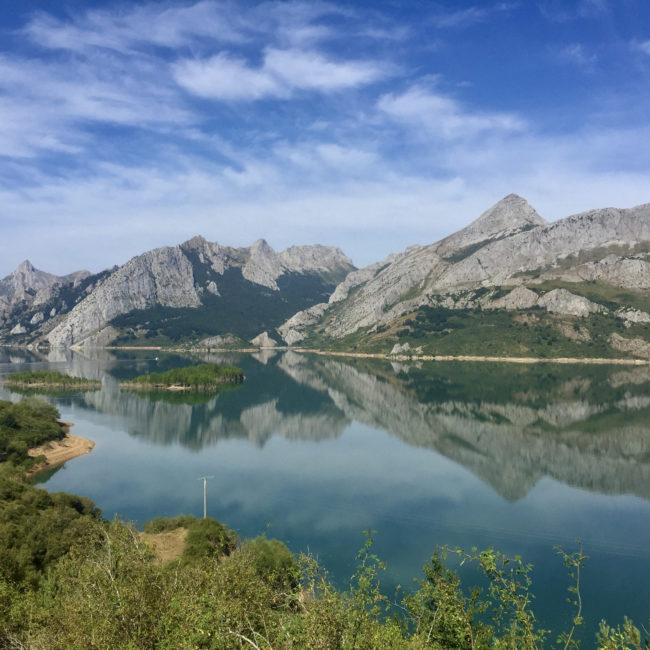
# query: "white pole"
205, 495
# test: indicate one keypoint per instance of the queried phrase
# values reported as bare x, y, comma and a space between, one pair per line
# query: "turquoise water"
314, 450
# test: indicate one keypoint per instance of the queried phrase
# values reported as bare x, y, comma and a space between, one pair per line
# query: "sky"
371, 126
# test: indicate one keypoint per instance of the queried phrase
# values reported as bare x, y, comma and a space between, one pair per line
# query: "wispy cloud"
576, 54
559, 11
470, 15
643, 46
443, 116
283, 71
148, 24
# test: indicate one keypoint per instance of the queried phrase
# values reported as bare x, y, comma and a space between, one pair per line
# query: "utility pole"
205, 498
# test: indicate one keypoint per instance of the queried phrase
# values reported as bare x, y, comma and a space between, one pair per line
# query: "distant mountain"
582, 282
188, 292
29, 296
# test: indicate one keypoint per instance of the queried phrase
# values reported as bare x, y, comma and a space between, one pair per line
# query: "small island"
49, 380
203, 377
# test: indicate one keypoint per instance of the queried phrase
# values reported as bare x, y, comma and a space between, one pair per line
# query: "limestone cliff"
212, 279
508, 245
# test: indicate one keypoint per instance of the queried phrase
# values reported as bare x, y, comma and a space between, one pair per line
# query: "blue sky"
371, 126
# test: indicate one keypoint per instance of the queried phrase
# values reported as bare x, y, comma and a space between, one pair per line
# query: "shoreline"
463, 357
57, 452
617, 361
52, 385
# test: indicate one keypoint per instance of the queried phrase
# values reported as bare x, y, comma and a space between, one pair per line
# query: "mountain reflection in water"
585, 426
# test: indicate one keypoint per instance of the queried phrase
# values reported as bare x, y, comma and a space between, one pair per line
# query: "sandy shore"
57, 452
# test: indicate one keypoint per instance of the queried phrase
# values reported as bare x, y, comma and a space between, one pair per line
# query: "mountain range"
196, 290
508, 283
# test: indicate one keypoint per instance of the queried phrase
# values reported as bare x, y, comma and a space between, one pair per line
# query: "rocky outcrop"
561, 301
221, 341
627, 272
292, 330
636, 346
518, 298
263, 340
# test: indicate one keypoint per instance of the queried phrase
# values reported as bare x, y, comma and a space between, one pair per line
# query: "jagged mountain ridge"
196, 275
37, 294
508, 245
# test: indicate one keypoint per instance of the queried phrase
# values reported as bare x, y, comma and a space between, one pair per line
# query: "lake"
314, 449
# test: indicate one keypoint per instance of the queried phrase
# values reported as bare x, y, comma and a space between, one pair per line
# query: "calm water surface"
314, 450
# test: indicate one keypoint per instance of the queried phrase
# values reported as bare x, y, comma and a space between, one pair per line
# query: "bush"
208, 538
273, 562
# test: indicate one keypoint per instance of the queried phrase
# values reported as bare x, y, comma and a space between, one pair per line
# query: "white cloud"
443, 115
225, 77
311, 70
228, 78
46, 105
145, 24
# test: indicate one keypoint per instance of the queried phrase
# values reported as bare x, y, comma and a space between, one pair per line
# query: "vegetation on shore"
30, 423
48, 379
69, 579
205, 376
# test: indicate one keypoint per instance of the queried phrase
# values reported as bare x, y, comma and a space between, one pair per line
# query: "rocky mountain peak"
24, 267
25, 278
510, 215
511, 212
196, 242
261, 247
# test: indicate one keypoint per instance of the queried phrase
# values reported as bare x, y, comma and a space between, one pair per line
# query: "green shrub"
208, 538
274, 562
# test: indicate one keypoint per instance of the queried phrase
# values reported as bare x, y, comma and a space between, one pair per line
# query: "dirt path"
57, 452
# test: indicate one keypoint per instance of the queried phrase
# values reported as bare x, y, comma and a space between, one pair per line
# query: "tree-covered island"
49, 380
202, 377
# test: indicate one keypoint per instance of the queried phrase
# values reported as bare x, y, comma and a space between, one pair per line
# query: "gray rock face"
508, 217
518, 298
32, 287
626, 272
561, 301
263, 340
225, 341
261, 265
166, 277
638, 347
509, 244
162, 276
25, 293
292, 330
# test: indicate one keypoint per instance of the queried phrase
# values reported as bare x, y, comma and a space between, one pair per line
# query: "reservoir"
314, 450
